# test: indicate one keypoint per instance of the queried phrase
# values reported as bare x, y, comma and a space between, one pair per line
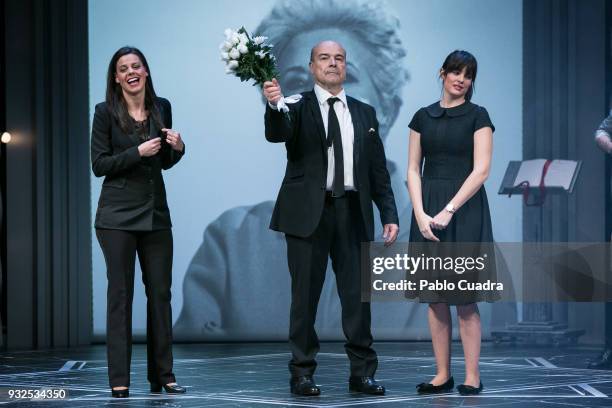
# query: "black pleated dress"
447, 146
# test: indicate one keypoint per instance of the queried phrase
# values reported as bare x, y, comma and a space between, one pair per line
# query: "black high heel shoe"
124, 393
428, 388
469, 390
170, 388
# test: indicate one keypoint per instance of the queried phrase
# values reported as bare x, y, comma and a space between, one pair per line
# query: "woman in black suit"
131, 142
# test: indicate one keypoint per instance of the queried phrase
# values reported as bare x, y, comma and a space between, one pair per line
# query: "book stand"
537, 326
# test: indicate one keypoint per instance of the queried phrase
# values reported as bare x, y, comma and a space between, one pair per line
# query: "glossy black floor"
245, 375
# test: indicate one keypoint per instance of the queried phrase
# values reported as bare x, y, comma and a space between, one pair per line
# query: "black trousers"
338, 235
154, 250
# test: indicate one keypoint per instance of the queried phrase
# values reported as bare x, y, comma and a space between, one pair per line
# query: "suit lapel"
153, 131
357, 120
315, 111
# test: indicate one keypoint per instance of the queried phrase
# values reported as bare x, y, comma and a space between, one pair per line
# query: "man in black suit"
336, 167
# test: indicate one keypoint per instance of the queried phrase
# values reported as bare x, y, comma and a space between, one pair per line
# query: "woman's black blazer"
133, 195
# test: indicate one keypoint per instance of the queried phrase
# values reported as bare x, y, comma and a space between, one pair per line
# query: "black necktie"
335, 138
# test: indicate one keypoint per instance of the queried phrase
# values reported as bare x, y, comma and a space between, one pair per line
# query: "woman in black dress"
131, 143
454, 138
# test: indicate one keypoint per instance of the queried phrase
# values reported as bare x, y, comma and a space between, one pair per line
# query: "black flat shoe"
428, 388
603, 362
367, 385
170, 389
304, 386
469, 390
120, 393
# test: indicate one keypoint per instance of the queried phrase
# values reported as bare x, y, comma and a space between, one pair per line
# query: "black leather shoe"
170, 388
367, 385
304, 386
125, 393
428, 388
603, 362
469, 390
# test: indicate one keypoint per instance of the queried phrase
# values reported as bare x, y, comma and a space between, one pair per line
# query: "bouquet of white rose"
249, 57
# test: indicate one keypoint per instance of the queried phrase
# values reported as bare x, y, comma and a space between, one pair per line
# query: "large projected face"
296, 77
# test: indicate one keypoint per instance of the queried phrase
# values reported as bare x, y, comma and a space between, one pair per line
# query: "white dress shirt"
346, 131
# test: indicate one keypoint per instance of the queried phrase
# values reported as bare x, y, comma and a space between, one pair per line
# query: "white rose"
226, 46
225, 56
234, 54
228, 33
242, 37
242, 48
232, 64
259, 39
235, 39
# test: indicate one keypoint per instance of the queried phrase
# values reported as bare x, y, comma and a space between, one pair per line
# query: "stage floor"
241, 375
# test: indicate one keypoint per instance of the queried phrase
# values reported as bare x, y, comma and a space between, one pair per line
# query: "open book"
559, 173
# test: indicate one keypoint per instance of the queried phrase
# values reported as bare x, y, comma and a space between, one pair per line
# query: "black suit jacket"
133, 195
301, 197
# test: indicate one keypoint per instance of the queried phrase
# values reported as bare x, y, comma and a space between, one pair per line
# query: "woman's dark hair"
456, 61
114, 94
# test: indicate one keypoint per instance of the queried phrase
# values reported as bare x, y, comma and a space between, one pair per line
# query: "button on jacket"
133, 195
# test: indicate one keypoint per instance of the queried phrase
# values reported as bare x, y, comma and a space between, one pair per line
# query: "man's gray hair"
369, 21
